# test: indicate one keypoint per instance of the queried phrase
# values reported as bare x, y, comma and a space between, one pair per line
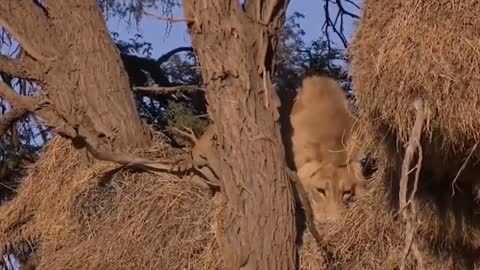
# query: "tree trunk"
235, 50
85, 90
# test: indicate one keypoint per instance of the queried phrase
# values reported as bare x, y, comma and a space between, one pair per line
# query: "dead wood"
408, 207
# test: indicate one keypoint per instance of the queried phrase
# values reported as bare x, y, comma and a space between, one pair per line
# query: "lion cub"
322, 126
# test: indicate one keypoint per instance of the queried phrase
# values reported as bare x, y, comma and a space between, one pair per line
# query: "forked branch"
408, 208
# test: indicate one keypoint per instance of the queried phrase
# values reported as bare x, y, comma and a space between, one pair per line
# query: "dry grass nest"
103, 217
404, 49
372, 236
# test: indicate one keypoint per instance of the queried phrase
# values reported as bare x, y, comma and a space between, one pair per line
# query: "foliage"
135, 45
133, 9
294, 57
164, 112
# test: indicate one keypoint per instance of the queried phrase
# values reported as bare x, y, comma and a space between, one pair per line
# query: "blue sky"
153, 30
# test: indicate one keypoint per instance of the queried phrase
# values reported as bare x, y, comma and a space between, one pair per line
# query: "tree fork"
71, 56
235, 49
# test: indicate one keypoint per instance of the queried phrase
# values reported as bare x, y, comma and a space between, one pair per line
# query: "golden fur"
204, 150
322, 126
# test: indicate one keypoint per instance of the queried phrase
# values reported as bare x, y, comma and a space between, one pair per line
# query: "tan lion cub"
322, 126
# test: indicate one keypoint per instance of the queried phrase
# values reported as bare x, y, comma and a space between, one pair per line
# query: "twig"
462, 168
168, 19
409, 216
344, 11
188, 134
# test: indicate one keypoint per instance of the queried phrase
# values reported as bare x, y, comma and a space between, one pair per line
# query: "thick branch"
16, 100
29, 25
21, 105
24, 68
159, 90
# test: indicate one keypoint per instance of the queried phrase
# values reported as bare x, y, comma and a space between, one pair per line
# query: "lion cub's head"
330, 188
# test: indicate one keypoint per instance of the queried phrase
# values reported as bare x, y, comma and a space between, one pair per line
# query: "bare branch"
24, 68
344, 11
337, 28
168, 19
166, 165
353, 3
159, 90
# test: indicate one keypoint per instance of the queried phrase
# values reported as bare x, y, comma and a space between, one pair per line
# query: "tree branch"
21, 105
29, 25
165, 165
159, 90
333, 24
344, 11
165, 18
16, 100
24, 68
169, 54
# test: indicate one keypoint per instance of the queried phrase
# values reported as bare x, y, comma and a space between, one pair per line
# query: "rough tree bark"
235, 48
69, 53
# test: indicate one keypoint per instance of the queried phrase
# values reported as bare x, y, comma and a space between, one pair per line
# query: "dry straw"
406, 50
99, 217
427, 49
372, 236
